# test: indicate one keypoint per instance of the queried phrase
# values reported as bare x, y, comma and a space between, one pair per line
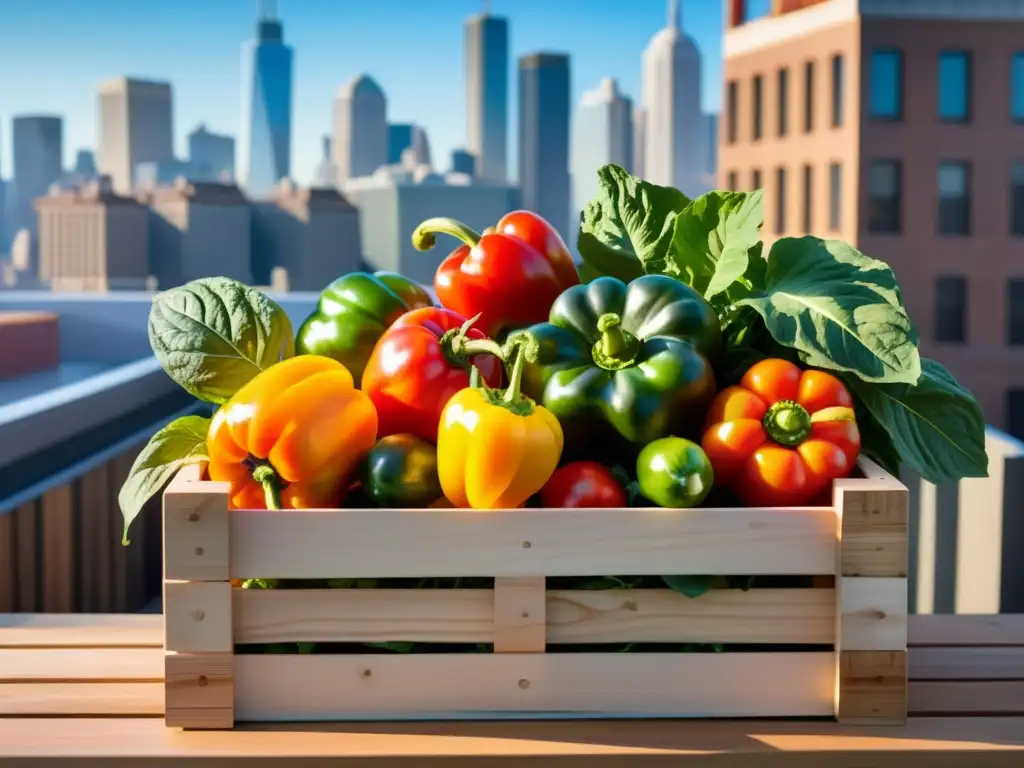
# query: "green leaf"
713, 238
214, 334
839, 309
875, 442
627, 229
936, 426
397, 647
691, 586
181, 442
306, 647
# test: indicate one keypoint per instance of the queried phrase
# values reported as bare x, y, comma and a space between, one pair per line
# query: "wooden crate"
854, 621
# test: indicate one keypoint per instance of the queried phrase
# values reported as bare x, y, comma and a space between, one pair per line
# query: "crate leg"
871, 601
520, 614
199, 679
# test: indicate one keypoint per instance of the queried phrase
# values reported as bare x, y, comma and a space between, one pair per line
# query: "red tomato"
583, 484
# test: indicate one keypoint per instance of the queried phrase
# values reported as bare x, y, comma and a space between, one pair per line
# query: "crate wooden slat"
852, 666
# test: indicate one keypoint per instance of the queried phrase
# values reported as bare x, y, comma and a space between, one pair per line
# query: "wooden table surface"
86, 690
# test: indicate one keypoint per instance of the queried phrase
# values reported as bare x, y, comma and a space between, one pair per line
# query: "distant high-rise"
266, 135
211, 155
602, 134
544, 106
37, 144
673, 121
135, 126
85, 165
403, 136
463, 161
360, 143
5, 240
325, 174
487, 63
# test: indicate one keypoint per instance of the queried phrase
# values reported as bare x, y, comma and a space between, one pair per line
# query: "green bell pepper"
352, 314
675, 473
401, 472
630, 362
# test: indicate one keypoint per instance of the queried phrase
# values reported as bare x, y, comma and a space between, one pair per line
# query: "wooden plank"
996, 742
717, 616
873, 614
81, 699
59, 567
196, 531
871, 687
26, 526
495, 686
8, 565
198, 616
73, 665
520, 608
95, 561
874, 521
953, 630
381, 543
967, 664
81, 631
573, 616
983, 697
200, 690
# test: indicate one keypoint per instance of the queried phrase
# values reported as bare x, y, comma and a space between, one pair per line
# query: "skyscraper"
673, 122
403, 136
602, 134
487, 95
266, 135
135, 126
360, 143
544, 106
37, 143
211, 155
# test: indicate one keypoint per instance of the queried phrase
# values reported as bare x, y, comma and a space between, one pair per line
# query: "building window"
1017, 198
731, 181
808, 96
886, 83
783, 101
885, 182
1015, 312
954, 198
756, 96
808, 198
733, 107
951, 310
837, 90
835, 196
780, 201
755, 180
1017, 87
955, 86
1015, 412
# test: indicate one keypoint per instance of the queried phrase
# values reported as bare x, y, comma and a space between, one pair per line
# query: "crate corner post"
871, 598
199, 687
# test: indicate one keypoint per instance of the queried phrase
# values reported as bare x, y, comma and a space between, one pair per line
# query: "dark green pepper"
633, 362
352, 314
401, 471
675, 473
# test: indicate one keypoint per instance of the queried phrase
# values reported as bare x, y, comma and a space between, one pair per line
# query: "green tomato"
674, 472
401, 471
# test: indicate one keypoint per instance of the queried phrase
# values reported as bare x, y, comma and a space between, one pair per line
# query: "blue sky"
54, 52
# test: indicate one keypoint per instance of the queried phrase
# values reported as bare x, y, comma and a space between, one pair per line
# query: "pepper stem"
787, 423
423, 236
265, 475
458, 348
617, 348
514, 391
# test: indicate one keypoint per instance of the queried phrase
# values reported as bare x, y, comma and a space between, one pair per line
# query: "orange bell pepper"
495, 448
782, 436
292, 437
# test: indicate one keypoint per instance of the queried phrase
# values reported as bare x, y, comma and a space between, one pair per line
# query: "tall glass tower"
266, 135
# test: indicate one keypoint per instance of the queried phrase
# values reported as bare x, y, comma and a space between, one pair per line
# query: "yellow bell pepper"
495, 448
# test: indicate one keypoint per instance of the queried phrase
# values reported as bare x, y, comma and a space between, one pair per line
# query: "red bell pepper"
583, 484
424, 358
510, 275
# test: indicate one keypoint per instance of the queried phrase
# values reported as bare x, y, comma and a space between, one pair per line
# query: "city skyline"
438, 105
